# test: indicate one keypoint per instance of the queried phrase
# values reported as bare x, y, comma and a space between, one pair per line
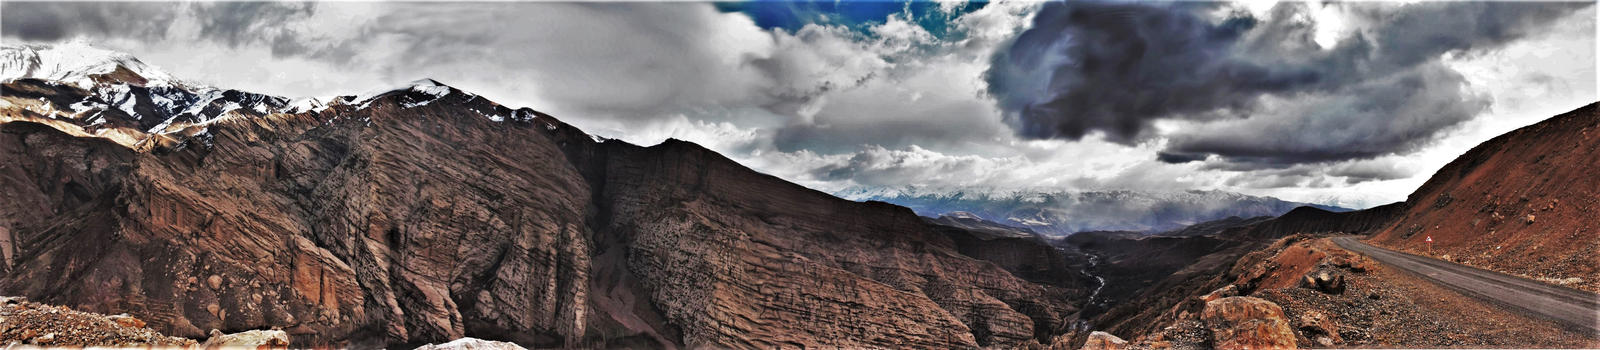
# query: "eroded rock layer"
429, 214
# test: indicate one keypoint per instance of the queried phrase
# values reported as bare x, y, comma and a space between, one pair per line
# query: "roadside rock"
1324, 281
255, 339
1247, 323
1318, 327
1104, 341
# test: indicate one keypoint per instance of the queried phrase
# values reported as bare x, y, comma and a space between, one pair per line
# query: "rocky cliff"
426, 214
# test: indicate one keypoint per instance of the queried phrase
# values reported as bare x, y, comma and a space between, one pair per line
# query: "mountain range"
1059, 212
426, 214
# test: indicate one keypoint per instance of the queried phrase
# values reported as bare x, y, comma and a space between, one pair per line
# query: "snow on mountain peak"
77, 63
154, 103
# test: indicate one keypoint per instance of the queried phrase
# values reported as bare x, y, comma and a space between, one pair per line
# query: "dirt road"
1574, 308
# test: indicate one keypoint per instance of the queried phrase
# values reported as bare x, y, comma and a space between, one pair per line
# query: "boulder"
1325, 281
1318, 327
472, 344
1247, 323
1104, 341
252, 339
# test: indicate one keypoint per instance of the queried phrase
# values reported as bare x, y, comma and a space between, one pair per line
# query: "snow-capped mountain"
103, 93
1060, 212
78, 64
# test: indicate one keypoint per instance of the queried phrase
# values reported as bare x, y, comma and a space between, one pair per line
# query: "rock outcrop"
427, 214
1247, 323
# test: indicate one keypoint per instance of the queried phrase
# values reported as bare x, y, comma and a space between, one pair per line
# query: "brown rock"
1324, 280
1224, 292
1247, 323
214, 281
127, 321
1104, 341
1318, 327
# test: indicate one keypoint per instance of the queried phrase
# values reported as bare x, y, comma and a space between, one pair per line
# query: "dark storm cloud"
231, 23
1266, 93
52, 21
1113, 67
244, 23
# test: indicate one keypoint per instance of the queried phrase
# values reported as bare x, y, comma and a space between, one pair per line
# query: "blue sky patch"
856, 15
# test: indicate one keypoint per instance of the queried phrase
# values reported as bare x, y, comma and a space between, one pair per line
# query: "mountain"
1059, 213
425, 214
1525, 202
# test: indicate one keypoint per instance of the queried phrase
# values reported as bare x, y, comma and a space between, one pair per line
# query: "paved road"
1577, 309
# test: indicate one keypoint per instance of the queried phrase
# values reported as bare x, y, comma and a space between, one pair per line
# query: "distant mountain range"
1057, 212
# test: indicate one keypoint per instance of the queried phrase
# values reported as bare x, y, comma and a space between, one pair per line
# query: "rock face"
427, 214
1524, 202
1247, 323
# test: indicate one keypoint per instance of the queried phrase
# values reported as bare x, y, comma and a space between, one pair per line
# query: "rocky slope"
28, 323
1524, 202
426, 214
1305, 291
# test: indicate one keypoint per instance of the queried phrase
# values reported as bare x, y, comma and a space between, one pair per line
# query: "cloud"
53, 21
246, 23
1306, 102
1255, 90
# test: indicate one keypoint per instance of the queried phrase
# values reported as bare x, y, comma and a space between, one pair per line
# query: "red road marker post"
1430, 245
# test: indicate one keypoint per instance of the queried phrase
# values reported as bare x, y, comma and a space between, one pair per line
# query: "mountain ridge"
428, 214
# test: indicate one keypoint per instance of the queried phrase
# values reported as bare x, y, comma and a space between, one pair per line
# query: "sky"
1344, 103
